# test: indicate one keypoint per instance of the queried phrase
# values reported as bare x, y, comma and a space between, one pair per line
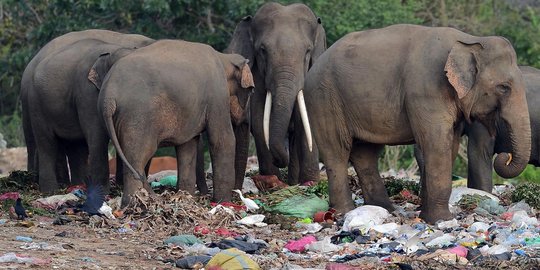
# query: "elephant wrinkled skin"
482, 146
281, 42
166, 94
59, 106
404, 84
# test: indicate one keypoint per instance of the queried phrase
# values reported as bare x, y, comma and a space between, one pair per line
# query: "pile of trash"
276, 226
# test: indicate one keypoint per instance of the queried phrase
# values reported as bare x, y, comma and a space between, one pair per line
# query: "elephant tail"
109, 108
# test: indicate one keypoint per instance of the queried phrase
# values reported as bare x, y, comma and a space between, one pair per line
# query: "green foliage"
320, 189
395, 186
11, 128
528, 191
25, 26
531, 173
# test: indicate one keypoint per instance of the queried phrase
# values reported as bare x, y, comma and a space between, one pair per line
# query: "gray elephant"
404, 84
481, 145
281, 42
166, 94
60, 105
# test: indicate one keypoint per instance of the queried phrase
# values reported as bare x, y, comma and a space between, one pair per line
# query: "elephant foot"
431, 214
343, 208
382, 202
130, 189
49, 188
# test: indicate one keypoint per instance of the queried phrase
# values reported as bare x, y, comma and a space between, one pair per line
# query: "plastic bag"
55, 201
183, 239
458, 192
232, 259
365, 217
300, 244
301, 206
323, 246
256, 220
166, 181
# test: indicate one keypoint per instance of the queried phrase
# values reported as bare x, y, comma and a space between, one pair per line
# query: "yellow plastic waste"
233, 259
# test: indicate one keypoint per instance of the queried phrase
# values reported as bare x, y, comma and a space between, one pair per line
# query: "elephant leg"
266, 167
199, 168
293, 169
48, 148
438, 171
222, 148
422, 168
308, 160
186, 155
241, 135
147, 166
336, 159
480, 150
119, 174
62, 170
138, 157
31, 149
364, 158
77, 153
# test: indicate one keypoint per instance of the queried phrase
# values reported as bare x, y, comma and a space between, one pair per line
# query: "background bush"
26, 25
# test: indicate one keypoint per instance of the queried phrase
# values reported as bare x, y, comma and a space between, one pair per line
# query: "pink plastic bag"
461, 251
300, 244
9, 196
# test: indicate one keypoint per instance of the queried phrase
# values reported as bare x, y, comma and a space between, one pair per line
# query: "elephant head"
240, 84
104, 62
281, 42
489, 86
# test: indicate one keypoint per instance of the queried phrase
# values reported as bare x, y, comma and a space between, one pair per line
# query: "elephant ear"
320, 42
99, 69
246, 80
461, 69
242, 41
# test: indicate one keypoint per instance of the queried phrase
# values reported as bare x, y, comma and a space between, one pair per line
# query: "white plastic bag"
365, 217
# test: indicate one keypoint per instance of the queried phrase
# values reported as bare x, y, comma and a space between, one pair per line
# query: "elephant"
281, 43
60, 110
482, 145
407, 84
167, 94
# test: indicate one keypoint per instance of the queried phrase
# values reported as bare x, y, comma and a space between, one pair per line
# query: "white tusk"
305, 119
266, 118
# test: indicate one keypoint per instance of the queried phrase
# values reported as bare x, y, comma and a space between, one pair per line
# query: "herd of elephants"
301, 101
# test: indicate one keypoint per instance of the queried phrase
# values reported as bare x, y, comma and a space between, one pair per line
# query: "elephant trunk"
282, 104
515, 117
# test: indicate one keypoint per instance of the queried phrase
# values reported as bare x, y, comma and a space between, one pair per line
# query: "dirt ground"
74, 247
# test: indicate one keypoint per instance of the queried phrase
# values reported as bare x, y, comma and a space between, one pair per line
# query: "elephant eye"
503, 88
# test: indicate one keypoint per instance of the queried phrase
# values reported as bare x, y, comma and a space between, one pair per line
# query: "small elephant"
168, 93
59, 106
281, 43
404, 84
481, 145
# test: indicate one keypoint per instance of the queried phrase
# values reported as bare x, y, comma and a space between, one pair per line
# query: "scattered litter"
23, 239
87, 259
9, 196
459, 192
323, 246
249, 186
268, 182
238, 244
301, 206
183, 240
169, 181
252, 220
55, 201
42, 246
365, 217
300, 244
12, 257
232, 259
193, 262
106, 210
449, 224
